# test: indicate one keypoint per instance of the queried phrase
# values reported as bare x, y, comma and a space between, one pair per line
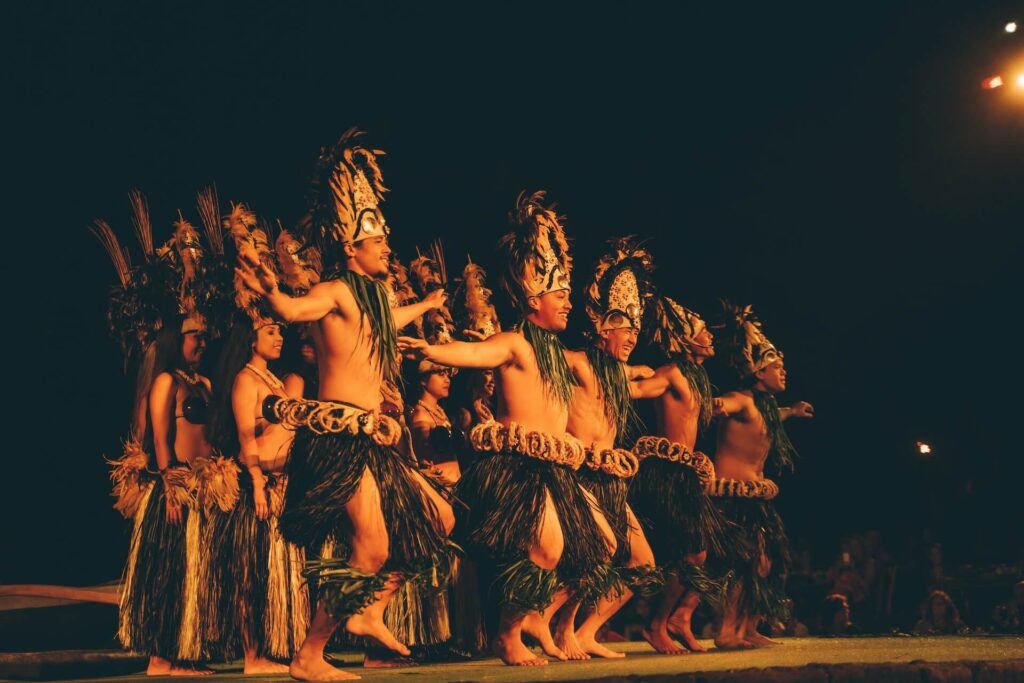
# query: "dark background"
837, 166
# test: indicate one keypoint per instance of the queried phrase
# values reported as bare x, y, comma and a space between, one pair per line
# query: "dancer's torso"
190, 403
743, 445
588, 420
678, 411
524, 398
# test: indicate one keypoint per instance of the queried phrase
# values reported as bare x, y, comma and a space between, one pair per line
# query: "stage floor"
975, 659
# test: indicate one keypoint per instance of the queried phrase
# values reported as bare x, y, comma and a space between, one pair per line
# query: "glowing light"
1011, 27
923, 448
1020, 80
992, 82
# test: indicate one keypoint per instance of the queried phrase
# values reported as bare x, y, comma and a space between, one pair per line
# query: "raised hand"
436, 299
640, 372
255, 275
413, 348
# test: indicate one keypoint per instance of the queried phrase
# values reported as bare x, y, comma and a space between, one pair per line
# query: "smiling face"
369, 257
619, 342
550, 311
487, 383
704, 344
268, 342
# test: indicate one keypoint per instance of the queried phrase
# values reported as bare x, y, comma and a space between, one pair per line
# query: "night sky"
843, 172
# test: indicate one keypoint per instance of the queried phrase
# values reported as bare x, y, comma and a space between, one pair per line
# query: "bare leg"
308, 663
158, 666
545, 554
680, 623
640, 555
730, 634
369, 553
444, 510
538, 626
508, 644
752, 636
657, 634
565, 632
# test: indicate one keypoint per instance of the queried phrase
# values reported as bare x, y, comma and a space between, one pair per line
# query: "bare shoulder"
676, 381
206, 383
244, 380
337, 290
162, 384
579, 363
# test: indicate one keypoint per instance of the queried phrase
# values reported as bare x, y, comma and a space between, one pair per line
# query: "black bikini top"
193, 409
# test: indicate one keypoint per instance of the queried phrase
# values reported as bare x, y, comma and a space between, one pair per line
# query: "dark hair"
163, 354
221, 428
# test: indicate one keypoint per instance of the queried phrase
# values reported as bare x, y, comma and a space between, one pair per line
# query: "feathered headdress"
345, 197
478, 312
252, 243
536, 251
749, 350
300, 267
428, 274
621, 287
675, 327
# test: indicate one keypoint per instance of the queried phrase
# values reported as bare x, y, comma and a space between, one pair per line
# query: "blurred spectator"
835, 616
939, 616
1007, 616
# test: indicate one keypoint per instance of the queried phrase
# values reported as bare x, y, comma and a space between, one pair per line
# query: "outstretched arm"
315, 304
404, 315
798, 409
650, 387
731, 404
495, 351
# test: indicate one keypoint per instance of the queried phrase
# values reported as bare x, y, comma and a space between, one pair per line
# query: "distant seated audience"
1007, 616
939, 616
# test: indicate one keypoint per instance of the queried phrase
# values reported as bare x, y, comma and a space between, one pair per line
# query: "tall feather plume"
401, 289
427, 274
332, 193
298, 270
479, 312
141, 223
118, 255
537, 233
666, 329
626, 252
208, 205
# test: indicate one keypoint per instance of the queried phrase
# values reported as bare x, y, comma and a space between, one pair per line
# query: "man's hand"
801, 409
475, 335
435, 299
640, 372
173, 512
413, 348
717, 407
255, 275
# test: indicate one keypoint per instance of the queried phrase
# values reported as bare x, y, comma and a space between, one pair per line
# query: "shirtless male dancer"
668, 491
530, 526
346, 481
749, 436
602, 416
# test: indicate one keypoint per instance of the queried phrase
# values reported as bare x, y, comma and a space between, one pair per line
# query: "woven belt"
328, 417
673, 451
765, 489
494, 437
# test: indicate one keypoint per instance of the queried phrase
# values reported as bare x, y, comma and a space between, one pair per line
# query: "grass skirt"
324, 472
753, 521
160, 601
258, 594
506, 494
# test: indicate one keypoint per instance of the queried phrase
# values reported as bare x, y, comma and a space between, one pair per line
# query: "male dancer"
529, 520
751, 435
601, 415
345, 479
668, 491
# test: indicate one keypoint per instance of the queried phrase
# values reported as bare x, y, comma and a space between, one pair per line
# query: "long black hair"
221, 428
163, 354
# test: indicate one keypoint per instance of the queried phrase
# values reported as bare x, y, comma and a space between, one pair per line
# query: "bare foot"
683, 633
733, 642
591, 646
361, 625
570, 646
660, 641
757, 640
382, 658
514, 653
307, 668
535, 627
262, 665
